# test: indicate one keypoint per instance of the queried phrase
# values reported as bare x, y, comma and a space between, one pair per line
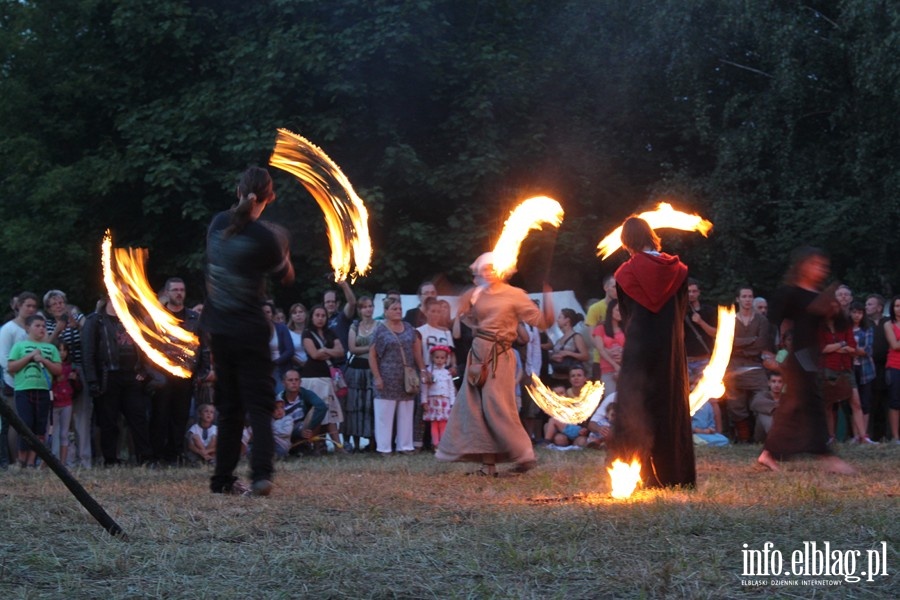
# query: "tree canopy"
777, 121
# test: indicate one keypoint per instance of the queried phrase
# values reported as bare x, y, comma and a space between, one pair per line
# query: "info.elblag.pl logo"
813, 560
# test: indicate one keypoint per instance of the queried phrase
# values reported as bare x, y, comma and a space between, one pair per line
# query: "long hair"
254, 186
891, 313
311, 325
291, 321
608, 321
637, 235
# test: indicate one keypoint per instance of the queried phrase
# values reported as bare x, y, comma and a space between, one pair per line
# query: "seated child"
282, 426
601, 425
201, 443
704, 427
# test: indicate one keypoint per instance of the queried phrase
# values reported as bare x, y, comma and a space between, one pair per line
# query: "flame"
156, 331
663, 216
710, 384
567, 410
529, 214
624, 478
346, 217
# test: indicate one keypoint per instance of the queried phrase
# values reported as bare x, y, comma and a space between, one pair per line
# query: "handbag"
411, 381
561, 369
337, 376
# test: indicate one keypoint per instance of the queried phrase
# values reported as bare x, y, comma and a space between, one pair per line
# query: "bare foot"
832, 464
766, 460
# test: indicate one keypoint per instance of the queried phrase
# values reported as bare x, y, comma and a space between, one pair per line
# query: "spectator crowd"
343, 376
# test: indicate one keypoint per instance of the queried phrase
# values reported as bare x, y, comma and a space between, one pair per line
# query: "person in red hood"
653, 418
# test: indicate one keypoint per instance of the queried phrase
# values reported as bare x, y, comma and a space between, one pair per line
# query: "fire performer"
653, 417
484, 423
240, 254
799, 424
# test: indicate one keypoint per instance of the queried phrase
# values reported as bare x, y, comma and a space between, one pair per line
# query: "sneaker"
868, 441
261, 488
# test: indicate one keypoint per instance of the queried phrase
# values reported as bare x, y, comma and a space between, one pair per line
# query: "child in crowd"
704, 427
601, 425
282, 427
33, 363
438, 393
202, 436
65, 386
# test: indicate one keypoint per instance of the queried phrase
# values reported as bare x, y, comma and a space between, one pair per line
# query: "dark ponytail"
254, 186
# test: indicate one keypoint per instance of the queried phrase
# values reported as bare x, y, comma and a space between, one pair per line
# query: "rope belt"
498, 347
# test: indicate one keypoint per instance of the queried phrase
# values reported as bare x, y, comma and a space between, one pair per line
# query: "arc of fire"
663, 217
155, 330
530, 214
567, 410
710, 384
346, 217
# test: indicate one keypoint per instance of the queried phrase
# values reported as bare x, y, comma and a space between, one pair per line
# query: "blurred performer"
484, 423
653, 417
240, 253
799, 425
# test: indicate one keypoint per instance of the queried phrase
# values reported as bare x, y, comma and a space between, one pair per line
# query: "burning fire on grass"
529, 214
346, 217
663, 217
625, 477
153, 328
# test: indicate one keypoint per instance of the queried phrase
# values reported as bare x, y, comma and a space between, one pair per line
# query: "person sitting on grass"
305, 409
282, 426
33, 363
568, 434
703, 425
201, 446
600, 427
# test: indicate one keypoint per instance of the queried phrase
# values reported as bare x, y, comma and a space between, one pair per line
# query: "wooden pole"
86, 500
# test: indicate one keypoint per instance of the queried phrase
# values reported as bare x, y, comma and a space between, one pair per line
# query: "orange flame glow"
567, 410
663, 217
153, 328
346, 217
529, 214
710, 384
624, 478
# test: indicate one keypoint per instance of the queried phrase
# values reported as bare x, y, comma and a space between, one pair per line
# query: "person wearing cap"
484, 425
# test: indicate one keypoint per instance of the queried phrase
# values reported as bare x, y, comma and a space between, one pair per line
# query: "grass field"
363, 526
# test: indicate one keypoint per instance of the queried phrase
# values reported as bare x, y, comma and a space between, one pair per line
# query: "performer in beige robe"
484, 423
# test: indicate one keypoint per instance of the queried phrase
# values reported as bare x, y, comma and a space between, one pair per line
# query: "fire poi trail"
710, 383
567, 410
663, 217
346, 217
530, 214
153, 328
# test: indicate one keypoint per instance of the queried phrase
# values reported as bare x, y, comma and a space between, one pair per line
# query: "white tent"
561, 300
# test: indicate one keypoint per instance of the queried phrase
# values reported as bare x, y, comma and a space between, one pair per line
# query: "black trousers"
169, 414
244, 390
124, 394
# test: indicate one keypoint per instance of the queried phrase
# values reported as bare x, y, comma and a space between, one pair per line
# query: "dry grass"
408, 527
